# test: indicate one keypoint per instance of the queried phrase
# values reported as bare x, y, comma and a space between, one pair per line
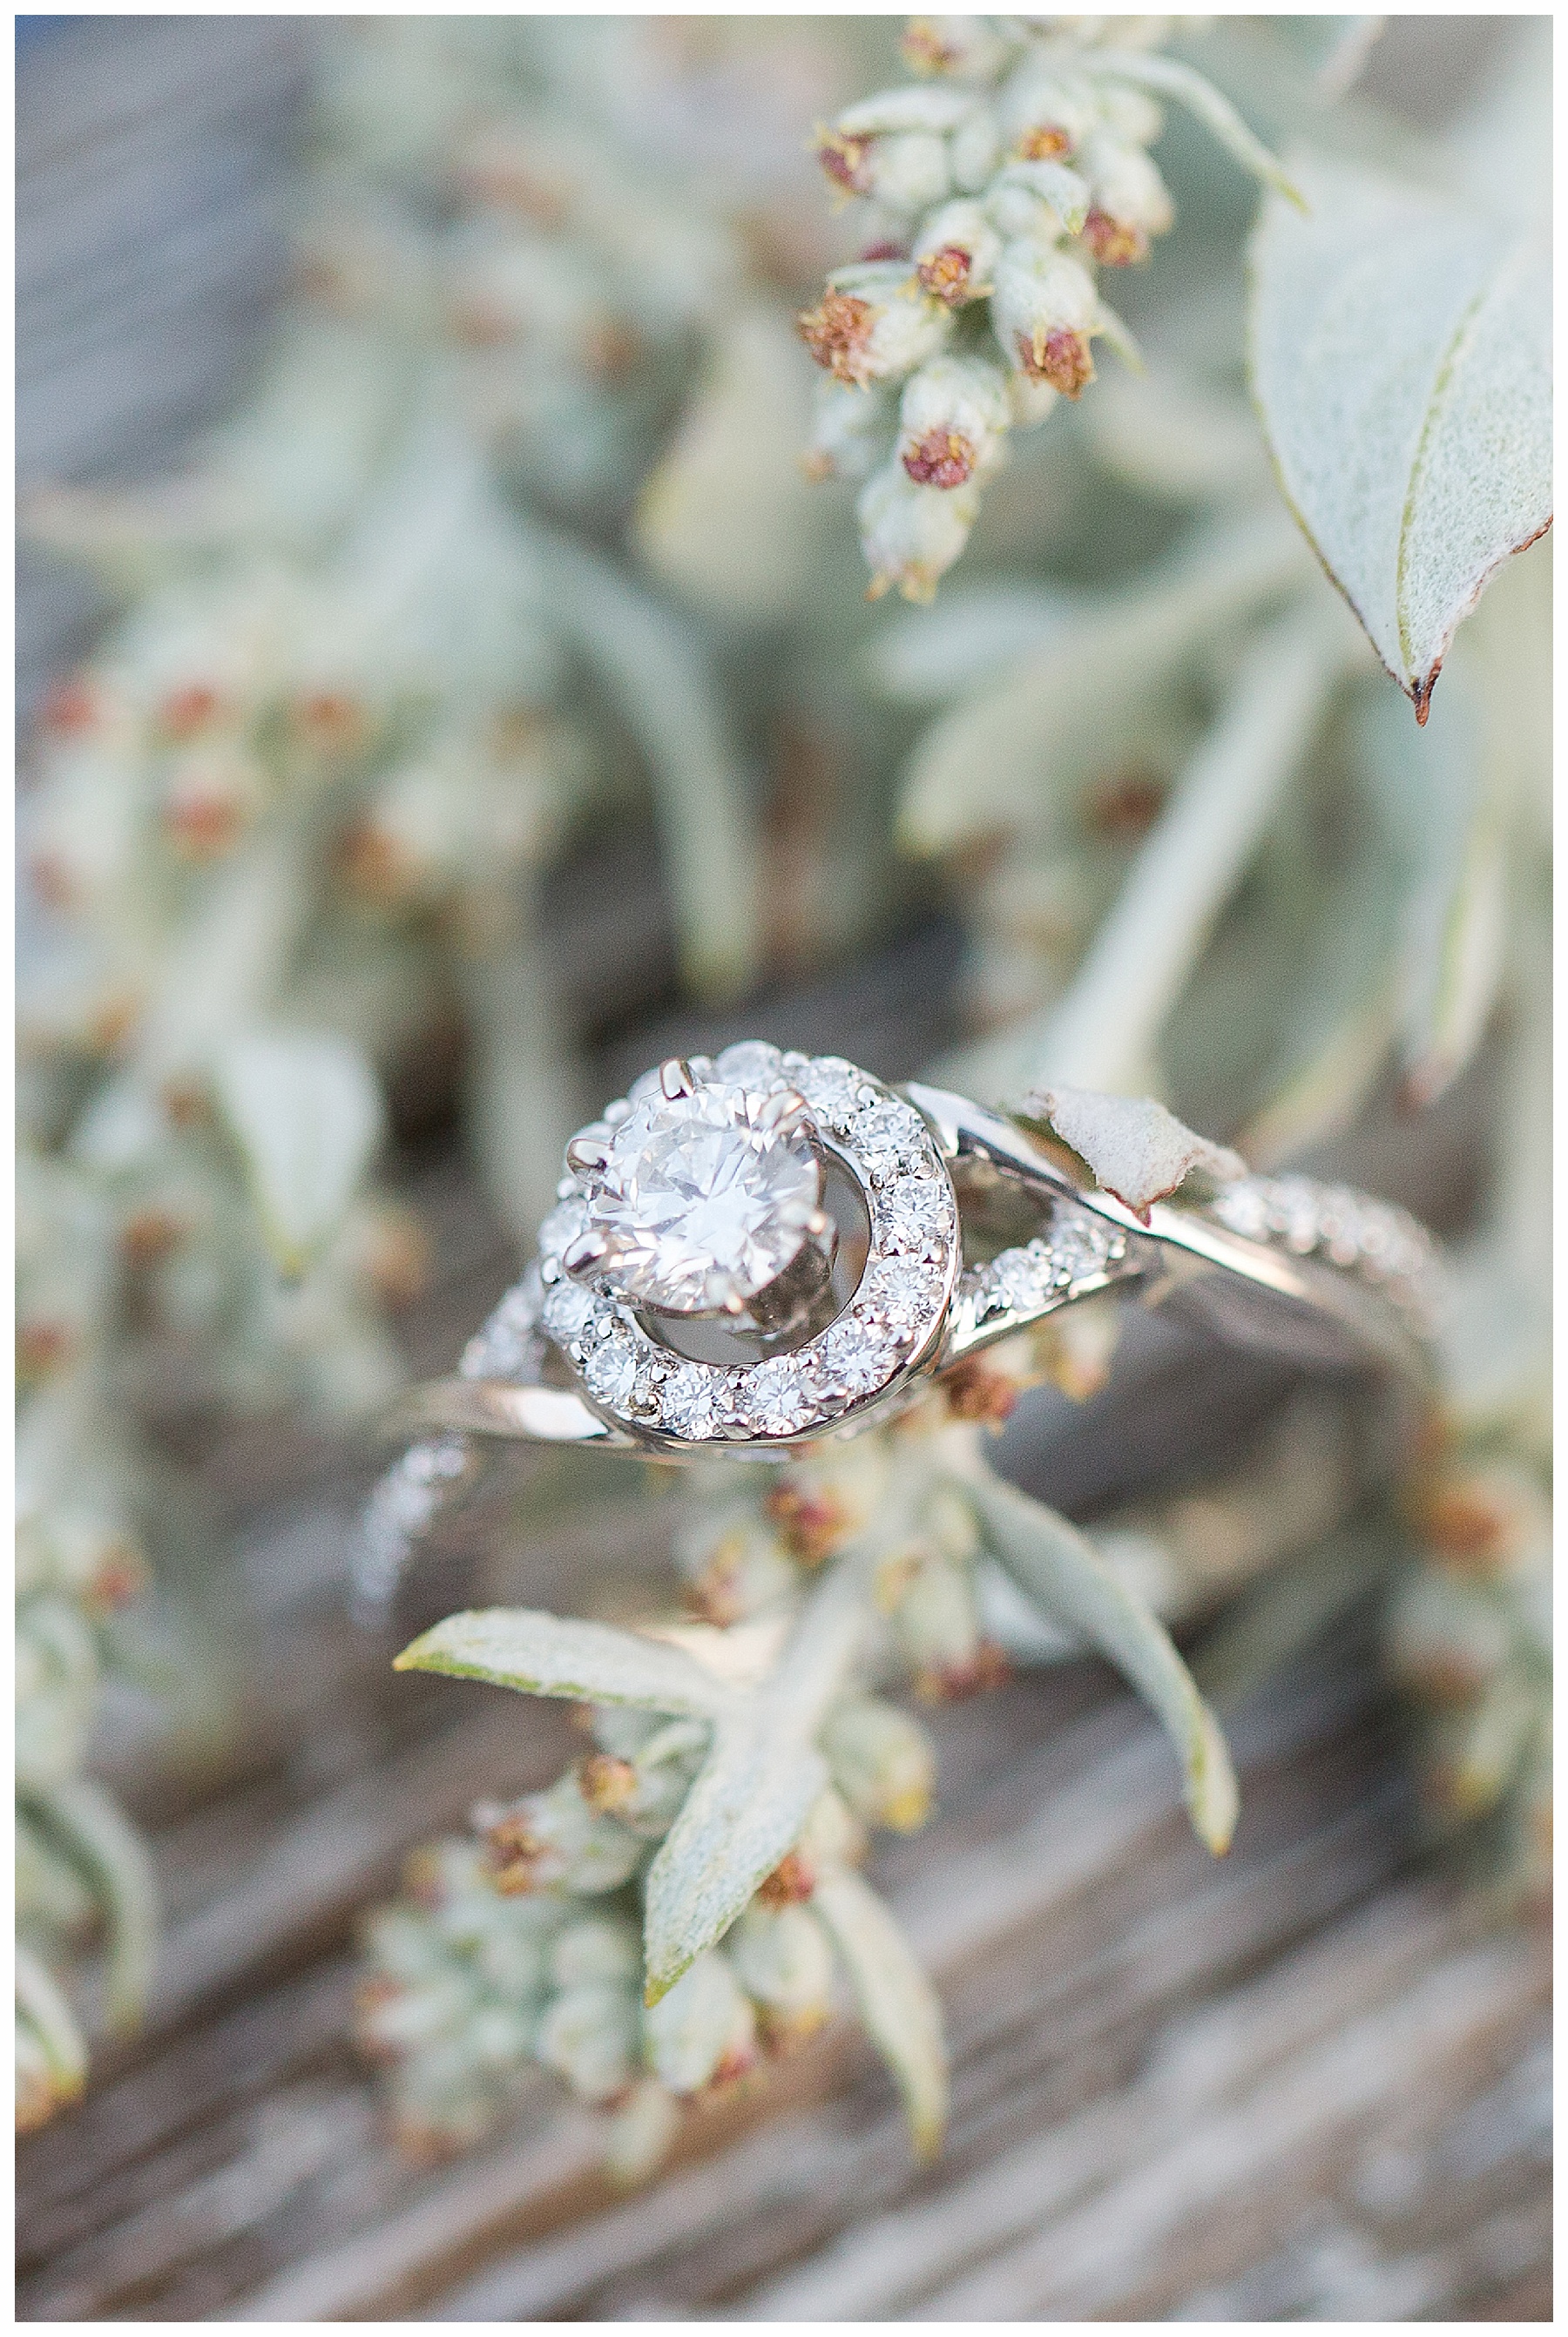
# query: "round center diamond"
702, 1205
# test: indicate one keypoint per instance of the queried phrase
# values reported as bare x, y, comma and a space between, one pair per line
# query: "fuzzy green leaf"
1104, 1031
1400, 358
743, 1813
1135, 1148
1061, 1572
588, 1663
728, 516
1093, 693
655, 670
306, 1112
762, 1775
897, 2002
43, 2004
1172, 79
106, 1850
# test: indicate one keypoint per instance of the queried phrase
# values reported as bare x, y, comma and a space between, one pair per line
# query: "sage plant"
287, 818
1218, 818
993, 191
194, 1229
674, 1912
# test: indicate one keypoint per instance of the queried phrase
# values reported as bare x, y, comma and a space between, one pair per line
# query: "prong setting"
587, 1254
588, 1155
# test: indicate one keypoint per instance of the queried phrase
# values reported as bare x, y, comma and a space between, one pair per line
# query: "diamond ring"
758, 1251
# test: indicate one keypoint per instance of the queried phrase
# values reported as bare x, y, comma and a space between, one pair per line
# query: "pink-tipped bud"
952, 415
1130, 202
912, 535
956, 252
1044, 310
957, 48
873, 323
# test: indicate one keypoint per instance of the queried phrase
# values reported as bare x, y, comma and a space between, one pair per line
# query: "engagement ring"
753, 1253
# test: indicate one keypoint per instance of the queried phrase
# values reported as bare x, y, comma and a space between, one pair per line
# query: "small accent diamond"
563, 1225
1083, 1245
752, 1063
1022, 1276
775, 1397
689, 1401
610, 1366
902, 1290
915, 1215
835, 1089
854, 1358
568, 1308
893, 1139
501, 1348
1244, 1207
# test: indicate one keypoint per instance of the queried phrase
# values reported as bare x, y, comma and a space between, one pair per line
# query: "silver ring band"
1319, 1275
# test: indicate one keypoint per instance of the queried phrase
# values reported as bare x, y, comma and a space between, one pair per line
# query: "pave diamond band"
756, 1251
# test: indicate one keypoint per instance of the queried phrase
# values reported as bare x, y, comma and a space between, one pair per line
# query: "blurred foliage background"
493, 702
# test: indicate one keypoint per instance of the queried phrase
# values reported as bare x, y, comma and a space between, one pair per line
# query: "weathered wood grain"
1297, 2083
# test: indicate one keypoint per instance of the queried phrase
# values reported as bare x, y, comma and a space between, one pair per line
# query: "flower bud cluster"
143, 1273
577, 292
80, 1872
433, 2008
481, 197
744, 1562
1469, 1638
309, 775
522, 1947
995, 188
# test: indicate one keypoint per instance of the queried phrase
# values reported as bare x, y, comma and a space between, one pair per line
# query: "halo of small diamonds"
887, 1329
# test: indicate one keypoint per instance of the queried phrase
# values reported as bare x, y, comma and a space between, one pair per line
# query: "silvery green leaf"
1168, 77
588, 1663
895, 2000
1325, 1084
1059, 1569
1478, 1747
1118, 336
306, 1111
106, 1850
221, 970
522, 1103
1460, 930
1399, 355
1103, 1033
640, 2132
1448, 794
1075, 705
728, 516
43, 2004
657, 673
1136, 1148
743, 1813
1333, 49
1344, 1004
762, 1775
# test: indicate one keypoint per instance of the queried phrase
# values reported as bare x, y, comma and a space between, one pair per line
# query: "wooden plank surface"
1298, 2084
